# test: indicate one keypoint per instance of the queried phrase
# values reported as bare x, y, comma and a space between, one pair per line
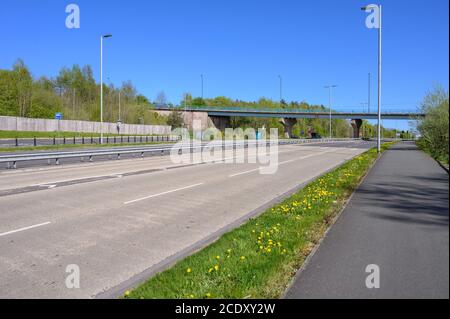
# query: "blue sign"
259, 136
58, 116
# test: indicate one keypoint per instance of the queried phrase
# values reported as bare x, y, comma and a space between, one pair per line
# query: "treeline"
434, 129
73, 92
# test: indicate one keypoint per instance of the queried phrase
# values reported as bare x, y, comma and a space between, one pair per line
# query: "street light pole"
379, 79
330, 88
281, 88
202, 86
379, 8
101, 85
120, 106
369, 99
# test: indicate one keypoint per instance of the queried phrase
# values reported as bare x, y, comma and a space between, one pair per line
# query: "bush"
434, 129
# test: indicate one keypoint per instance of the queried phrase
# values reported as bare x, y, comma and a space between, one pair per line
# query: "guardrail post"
142, 154
34, 141
14, 165
54, 140
90, 158
92, 140
118, 156
128, 139
57, 161
82, 140
64, 140
74, 140
107, 140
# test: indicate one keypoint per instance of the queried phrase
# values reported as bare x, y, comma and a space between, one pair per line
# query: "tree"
161, 98
23, 82
434, 129
175, 119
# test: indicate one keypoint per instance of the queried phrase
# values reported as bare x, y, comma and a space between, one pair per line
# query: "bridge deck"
293, 113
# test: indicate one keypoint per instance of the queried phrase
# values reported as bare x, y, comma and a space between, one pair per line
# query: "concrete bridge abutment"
288, 124
356, 124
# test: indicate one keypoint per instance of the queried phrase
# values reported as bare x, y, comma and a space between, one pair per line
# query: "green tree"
175, 119
434, 129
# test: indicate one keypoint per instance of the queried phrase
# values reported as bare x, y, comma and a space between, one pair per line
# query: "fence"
8, 123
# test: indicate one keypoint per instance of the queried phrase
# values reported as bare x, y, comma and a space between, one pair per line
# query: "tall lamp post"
101, 84
377, 9
201, 76
281, 88
330, 88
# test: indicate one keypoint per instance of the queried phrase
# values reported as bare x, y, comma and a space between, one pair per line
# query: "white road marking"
164, 193
282, 163
23, 229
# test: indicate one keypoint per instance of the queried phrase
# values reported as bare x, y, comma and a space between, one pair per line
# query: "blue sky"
240, 46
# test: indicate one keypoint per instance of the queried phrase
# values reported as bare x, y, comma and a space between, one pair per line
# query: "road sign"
58, 116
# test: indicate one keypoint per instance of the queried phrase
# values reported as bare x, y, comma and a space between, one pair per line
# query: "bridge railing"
280, 110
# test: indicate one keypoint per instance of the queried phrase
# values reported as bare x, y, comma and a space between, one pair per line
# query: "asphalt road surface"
120, 221
397, 220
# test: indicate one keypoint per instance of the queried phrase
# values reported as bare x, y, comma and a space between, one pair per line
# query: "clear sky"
241, 46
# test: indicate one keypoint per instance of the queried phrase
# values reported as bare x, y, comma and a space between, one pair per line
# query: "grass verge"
260, 258
25, 134
73, 146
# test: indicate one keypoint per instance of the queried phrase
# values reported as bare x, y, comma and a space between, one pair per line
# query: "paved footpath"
398, 220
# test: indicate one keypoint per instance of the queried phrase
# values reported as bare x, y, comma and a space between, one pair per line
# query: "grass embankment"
72, 146
258, 259
24, 134
441, 157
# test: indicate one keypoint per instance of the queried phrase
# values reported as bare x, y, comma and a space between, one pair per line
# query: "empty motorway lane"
121, 221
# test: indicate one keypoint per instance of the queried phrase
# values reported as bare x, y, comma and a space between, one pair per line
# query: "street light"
281, 88
330, 88
202, 86
101, 85
367, 8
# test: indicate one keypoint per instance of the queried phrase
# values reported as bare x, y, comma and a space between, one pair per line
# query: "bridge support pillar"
357, 124
221, 122
288, 124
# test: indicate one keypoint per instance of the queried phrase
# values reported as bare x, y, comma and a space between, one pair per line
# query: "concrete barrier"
8, 123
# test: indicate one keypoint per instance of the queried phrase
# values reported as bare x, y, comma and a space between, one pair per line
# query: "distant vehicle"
316, 136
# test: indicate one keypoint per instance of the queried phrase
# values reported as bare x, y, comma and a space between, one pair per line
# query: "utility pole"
202, 86
101, 85
378, 9
368, 107
330, 88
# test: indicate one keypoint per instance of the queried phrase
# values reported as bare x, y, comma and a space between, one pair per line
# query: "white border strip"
23, 229
160, 194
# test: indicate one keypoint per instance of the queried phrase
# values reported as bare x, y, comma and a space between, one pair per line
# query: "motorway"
121, 221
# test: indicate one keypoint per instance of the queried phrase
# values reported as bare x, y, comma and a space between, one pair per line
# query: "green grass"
260, 258
23, 134
71, 146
